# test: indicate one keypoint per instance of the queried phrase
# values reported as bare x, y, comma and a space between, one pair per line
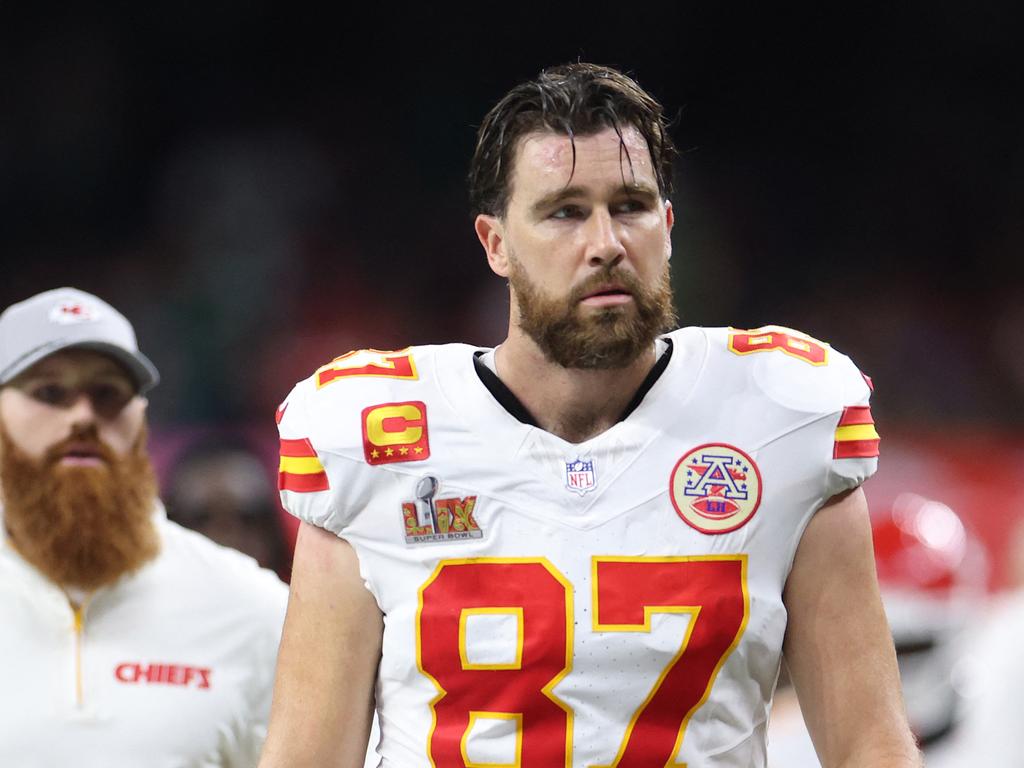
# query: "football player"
592, 545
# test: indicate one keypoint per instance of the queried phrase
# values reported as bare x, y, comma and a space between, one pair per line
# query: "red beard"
80, 526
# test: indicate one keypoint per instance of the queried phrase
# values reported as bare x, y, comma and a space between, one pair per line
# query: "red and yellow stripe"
856, 437
300, 468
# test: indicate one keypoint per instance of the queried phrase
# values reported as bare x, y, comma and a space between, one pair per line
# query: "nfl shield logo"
579, 476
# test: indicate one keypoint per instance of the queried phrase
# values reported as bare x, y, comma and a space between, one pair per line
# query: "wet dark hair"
573, 100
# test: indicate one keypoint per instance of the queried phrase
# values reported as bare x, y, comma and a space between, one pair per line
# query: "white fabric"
990, 732
780, 410
202, 620
487, 358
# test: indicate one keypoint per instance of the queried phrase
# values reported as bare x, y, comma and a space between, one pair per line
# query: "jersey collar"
518, 411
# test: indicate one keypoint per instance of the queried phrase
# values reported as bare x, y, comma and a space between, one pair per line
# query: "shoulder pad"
360, 411
329, 407
791, 368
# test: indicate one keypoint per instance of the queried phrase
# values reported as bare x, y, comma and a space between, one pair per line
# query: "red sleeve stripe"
856, 437
855, 449
286, 481
300, 447
300, 469
856, 414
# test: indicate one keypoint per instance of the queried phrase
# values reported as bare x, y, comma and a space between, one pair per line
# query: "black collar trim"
517, 410
501, 393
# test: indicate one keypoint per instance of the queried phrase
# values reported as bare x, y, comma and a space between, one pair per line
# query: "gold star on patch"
389, 452
403, 451
417, 450
375, 453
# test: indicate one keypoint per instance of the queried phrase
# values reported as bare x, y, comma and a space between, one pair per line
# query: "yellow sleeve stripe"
856, 432
301, 465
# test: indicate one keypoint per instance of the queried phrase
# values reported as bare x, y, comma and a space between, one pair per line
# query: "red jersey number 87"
626, 592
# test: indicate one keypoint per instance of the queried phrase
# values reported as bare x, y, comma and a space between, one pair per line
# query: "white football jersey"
612, 602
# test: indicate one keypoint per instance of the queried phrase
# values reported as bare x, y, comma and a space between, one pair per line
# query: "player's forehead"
77, 363
545, 162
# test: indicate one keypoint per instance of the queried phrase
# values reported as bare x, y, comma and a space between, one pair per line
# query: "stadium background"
260, 191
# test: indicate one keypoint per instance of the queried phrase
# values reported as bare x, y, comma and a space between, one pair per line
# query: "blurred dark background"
261, 190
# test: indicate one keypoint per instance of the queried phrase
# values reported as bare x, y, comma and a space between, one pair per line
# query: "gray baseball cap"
67, 317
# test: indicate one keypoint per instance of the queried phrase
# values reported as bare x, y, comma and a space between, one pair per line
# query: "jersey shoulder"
787, 367
360, 391
364, 410
796, 386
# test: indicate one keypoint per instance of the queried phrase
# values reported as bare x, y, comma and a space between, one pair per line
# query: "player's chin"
615, 320
606, 311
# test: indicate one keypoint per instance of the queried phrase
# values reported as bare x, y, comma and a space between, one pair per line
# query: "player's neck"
574, 403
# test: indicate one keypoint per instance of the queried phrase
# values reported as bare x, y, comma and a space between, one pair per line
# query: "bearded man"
127, 640
592, 545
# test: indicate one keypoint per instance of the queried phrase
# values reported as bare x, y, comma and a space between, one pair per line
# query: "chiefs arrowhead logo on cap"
394, 432
69, 312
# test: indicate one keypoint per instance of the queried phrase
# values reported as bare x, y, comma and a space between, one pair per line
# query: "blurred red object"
978, 474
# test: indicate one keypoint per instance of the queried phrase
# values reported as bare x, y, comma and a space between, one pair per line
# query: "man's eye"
109, 398
567, 212
51, 394
631, 206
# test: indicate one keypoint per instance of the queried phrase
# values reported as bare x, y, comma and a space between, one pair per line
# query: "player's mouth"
607, 296
81, 454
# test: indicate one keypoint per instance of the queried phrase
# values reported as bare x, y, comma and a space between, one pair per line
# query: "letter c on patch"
394, 424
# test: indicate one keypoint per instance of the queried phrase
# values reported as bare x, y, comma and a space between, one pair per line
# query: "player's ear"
670, 220
490, 231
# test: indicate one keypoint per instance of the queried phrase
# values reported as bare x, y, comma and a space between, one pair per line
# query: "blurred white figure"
372, 758
990, 734
933, 574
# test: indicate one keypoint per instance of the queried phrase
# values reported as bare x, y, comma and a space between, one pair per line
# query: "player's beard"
609, 337
80, 526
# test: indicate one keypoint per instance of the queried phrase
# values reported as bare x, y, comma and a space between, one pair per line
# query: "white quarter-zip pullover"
172, 666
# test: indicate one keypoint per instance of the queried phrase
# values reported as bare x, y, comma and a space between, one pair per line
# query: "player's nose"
603, 243
81, 410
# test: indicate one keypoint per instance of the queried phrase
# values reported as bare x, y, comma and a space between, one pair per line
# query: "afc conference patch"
715, 488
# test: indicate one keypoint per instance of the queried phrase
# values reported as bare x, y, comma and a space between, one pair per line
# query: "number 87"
627, 591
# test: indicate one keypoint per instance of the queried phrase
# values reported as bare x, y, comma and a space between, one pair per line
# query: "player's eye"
631, 205
52, 394
567, 212
108, 398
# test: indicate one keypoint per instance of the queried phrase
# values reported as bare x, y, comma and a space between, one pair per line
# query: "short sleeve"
328, 474
302, 475
855, 441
